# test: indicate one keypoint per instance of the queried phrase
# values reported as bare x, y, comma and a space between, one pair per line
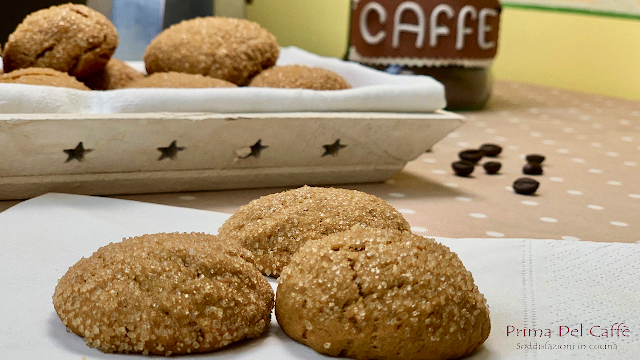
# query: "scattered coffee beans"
525, 186
462, 168
492, 167
535, 158
471, 155
532, 169
491, 150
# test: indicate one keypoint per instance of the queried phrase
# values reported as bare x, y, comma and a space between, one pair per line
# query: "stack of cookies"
353, 281
71, 46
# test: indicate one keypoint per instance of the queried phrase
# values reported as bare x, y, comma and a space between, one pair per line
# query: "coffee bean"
535, 158
491, 150
525, 186
462, 168
471, 155
532, 169
492, 167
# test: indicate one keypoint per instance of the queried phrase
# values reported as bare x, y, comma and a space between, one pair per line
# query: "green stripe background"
571, 10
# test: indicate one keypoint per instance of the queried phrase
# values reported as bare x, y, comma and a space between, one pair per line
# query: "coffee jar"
453, 41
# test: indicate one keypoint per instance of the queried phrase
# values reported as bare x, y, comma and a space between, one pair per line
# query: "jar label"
424, 33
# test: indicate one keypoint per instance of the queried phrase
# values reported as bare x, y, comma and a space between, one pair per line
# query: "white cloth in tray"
529, 284
373, 91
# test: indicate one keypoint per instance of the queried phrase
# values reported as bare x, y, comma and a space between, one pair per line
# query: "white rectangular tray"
123, 153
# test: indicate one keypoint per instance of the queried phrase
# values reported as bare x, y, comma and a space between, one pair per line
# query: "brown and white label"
424, 33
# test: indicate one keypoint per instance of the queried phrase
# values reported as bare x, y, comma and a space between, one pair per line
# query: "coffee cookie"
300, 77
381, 294
179, 80
70, 38
164, 294
275, 226
230, 49
42, 76
116, 75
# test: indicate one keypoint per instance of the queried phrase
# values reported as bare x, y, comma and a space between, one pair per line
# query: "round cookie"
42, 76
70, 38
179, 80
381, 294
164, 294
225, 48
116, 75
275, 226
300, 77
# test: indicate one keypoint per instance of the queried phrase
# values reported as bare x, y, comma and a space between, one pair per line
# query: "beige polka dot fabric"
589, 191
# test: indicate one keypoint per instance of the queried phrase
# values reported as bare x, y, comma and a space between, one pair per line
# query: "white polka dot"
635, 113
574, 192
494, 234
397, 195
522, 156
463, 198
514, 120
612, 153
597, 126
480, 123
627, 138
624, 122
478, 215
562, 151
430, 160
556, 179
585, 117
578, 160
462, 144
439, 171
634, 196
490, 131
614, 183
187, 197
454, 135
407, 211
418, 229
549, 142
529, 203
630, 163
515, 147
501, 138
595, 207
568, 130
451, 185
619, 223
570, 238
549, 219
596, 144
535, 134
509, 188
595, 171
534, 110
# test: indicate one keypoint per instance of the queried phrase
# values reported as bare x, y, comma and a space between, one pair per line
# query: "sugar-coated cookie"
300, 77
179, 80
225, 48
381, 294
42, 76
164, 294
70, 38
116, 75
275, 226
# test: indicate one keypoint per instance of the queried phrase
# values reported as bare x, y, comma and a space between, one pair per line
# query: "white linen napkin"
372, 91
558, 285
